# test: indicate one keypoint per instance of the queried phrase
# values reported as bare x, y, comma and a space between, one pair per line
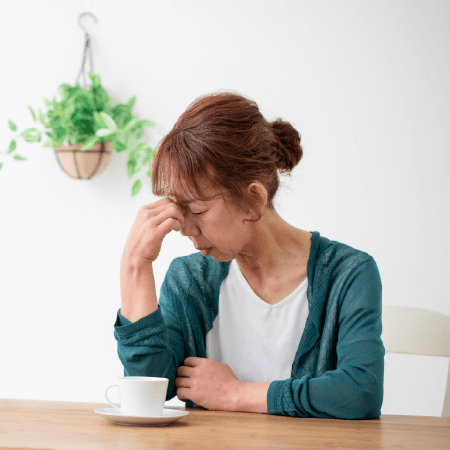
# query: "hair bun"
287, 144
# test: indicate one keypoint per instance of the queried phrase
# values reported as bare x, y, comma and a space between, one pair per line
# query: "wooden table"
31, 424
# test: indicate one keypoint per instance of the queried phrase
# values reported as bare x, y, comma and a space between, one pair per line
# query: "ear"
258, 188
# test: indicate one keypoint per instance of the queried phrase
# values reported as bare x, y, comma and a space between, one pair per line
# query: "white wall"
365, 83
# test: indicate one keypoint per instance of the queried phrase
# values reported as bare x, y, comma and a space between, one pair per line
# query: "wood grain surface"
32, 424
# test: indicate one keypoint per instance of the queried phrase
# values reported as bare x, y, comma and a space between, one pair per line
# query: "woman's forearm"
138, 291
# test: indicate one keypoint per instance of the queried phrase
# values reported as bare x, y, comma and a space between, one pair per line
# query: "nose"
189, 229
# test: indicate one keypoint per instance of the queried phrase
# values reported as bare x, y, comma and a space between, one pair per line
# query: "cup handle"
109, 401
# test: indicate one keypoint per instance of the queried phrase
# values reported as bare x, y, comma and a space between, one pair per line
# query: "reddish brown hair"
223, 142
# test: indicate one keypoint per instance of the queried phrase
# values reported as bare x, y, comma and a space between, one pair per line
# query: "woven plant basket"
83, 164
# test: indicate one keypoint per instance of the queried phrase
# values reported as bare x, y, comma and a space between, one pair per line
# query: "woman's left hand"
208, 383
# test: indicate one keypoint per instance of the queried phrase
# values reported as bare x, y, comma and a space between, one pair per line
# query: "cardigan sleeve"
354, 390
153, 346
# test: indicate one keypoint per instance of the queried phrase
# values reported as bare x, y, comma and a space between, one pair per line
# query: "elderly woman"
266, 317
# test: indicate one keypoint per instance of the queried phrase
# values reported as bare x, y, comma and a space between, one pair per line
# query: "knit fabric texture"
338, 369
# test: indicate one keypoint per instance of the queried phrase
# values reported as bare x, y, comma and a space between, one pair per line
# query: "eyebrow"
184, 202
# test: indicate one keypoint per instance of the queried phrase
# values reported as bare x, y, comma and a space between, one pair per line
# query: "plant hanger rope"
87, 48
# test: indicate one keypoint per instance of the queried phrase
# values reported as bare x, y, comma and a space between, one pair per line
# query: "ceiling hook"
84, 14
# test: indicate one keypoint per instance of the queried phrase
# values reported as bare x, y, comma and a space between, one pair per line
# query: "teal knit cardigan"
338, 368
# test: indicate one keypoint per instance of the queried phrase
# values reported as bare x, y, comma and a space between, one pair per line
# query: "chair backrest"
419, 332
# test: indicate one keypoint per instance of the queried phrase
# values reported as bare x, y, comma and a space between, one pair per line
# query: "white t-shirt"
257, 340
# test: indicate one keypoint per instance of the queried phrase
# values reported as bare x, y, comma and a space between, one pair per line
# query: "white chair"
419, 332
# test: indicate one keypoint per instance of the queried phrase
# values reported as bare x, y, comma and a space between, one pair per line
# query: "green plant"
90, 116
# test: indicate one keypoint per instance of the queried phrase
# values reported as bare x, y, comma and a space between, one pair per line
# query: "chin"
221, 257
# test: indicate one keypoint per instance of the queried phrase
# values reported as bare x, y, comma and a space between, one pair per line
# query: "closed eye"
197, 214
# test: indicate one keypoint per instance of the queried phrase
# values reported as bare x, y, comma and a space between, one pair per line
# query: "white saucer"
169, 415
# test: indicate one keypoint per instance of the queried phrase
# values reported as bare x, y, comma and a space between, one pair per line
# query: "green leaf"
12, 125
132, 123
41, 117
12, 146
90, 143
148, 150
131, 142
141, 147
139, 133
136, 187
48, 143
69, 111
1, 164
131, 167
31, 135
32, 112
95, 77
98, 120
130, 103
104, 132
108, 121
149, 174
19, 158
119, 145
147, 123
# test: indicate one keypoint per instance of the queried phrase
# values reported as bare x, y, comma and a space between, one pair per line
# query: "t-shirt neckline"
253, 294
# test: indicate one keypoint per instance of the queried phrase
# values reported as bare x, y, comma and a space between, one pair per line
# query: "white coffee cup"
140, 396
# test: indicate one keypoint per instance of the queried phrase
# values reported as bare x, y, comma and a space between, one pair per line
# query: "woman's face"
216, 226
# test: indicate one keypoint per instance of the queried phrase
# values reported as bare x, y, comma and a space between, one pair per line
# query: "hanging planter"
86, 125
83, 164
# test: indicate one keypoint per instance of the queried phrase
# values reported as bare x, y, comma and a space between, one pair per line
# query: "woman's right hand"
152, 224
